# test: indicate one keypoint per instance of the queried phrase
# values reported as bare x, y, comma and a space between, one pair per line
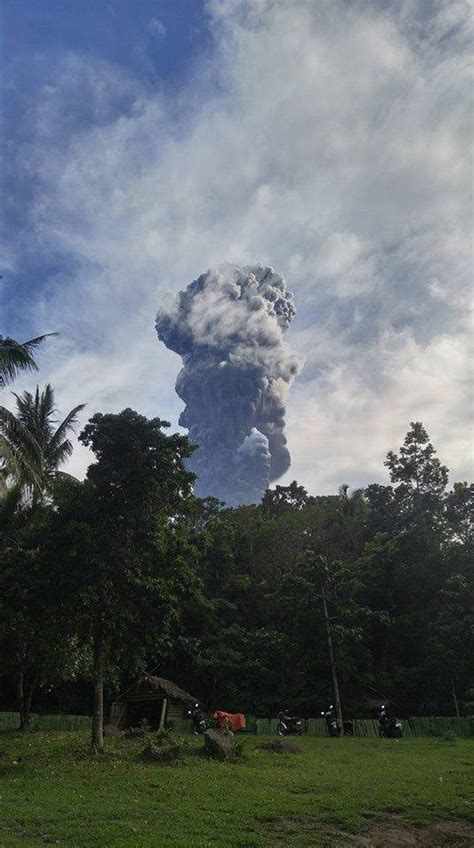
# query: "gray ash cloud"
228, 327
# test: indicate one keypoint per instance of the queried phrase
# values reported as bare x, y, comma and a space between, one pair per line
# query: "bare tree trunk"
214, 687
98, 714
25, 718
20, 695
25, 698
455, 697
335, 683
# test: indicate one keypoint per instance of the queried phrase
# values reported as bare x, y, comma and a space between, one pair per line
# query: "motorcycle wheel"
280, 729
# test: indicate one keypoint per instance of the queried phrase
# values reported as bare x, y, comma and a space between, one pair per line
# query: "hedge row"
9, 721
365, 727
419, 726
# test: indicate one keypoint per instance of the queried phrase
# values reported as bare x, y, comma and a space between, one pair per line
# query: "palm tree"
31, 446
17, 356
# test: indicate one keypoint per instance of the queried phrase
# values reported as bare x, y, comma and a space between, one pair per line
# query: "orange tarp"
236, 720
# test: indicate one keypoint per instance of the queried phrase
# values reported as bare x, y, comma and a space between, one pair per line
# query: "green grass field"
366, 792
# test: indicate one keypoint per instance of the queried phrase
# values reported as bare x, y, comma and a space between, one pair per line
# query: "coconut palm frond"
13, 359
68, 425
45, 410
19, 436
31, 344
9, 504
67, 478
17, 466
33, 449
20, 450
9, 466
61, 453
18, 356
26, 414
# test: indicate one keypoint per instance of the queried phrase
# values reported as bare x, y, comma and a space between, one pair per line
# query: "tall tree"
421, 477
123, 535
284, 498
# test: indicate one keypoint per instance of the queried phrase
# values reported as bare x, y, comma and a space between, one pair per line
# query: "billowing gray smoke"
228, 327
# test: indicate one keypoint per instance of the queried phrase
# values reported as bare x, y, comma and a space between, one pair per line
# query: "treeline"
128, 572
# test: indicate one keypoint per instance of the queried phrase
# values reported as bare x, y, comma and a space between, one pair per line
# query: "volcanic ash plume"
228, 328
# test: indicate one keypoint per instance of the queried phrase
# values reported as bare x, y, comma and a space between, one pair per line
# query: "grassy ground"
52, 791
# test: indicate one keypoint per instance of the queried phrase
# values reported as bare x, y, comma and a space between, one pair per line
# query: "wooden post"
453, 690
163, 714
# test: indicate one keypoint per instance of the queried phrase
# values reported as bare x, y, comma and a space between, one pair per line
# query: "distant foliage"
129, 571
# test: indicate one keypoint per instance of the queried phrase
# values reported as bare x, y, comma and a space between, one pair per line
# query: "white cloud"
330, 140
351, 420
156, 28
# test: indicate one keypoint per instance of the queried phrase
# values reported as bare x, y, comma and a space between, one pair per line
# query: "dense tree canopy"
128, 571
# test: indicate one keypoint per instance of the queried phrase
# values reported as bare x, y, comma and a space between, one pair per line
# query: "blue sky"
144, 142
157, 39
155, 42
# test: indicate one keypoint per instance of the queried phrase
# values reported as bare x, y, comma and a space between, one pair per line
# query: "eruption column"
228, 327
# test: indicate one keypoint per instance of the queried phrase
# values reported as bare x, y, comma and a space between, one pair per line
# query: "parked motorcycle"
332, 726
389, 727
198, 720
289, 725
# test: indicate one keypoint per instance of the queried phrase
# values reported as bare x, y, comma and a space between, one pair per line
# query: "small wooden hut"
155, 699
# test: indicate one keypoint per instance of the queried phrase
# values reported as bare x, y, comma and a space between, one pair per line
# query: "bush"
164, 748
450, 737
142, 730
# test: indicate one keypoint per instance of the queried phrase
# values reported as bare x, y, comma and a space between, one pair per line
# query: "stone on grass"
219, 745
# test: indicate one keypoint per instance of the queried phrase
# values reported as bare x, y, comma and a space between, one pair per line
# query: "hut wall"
176, 711
148, 708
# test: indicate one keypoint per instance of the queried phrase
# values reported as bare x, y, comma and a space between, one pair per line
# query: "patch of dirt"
391, 832
280, 746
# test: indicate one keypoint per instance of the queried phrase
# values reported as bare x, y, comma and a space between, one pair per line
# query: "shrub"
164, 748
142, 730
450, 737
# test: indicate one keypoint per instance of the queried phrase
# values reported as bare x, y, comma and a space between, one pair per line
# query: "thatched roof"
165, 688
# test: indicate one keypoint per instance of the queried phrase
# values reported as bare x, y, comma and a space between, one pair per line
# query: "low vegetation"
330, 793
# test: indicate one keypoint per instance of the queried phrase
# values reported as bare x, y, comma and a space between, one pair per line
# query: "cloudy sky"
148, 140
